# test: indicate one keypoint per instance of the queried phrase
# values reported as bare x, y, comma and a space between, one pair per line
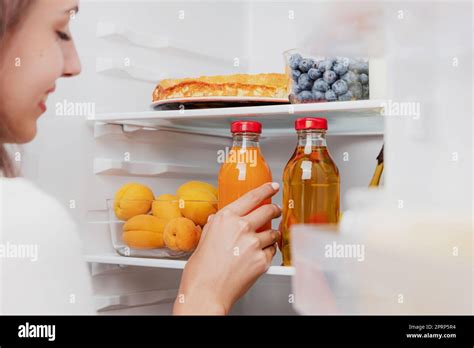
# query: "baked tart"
236, 85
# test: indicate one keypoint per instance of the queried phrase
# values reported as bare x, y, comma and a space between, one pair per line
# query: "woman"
36, 48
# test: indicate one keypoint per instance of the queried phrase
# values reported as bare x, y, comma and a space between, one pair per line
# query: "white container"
394, 269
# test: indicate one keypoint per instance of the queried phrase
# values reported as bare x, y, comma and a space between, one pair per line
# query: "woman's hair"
12, 13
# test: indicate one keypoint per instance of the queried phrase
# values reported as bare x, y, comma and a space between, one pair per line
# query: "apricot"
197, 205
166, 207
181, 234
196, 185
144, 232
132, 199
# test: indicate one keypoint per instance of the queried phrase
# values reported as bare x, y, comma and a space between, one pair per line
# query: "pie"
236, 85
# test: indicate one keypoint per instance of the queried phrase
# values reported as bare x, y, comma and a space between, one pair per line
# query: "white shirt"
41, 266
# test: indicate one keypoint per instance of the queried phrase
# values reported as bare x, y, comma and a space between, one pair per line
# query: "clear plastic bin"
391, 269
122, 248
320, 79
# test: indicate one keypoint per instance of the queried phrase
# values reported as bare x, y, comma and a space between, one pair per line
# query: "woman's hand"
230, 256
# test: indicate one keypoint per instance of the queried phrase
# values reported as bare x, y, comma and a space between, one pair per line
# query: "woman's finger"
268, 238
262, 215
252, 199
206, 227
269, 253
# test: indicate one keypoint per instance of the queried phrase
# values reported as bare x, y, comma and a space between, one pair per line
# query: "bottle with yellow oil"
378, 171
311, 182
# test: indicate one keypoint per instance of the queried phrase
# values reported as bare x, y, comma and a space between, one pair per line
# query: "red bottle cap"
246, 126
311, 123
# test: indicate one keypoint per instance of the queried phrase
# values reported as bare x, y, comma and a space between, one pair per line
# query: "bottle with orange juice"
311, 183
244, 167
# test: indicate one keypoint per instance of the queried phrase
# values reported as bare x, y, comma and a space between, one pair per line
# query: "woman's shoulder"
17, 189
37, 224
23, 199
30, 214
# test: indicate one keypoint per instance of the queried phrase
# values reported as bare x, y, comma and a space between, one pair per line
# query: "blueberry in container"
315, 78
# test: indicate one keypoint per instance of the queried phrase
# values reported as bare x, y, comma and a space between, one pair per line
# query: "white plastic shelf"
107, 166
123, 33
361, 117
114, 67
166, 263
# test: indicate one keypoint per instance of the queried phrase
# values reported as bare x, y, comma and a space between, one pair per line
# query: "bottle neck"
312, 138
245, 140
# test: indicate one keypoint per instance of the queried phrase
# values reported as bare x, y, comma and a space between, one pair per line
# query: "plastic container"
319, 79
394, 268
125, 249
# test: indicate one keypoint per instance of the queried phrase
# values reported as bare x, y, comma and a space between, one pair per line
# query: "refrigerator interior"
82, 160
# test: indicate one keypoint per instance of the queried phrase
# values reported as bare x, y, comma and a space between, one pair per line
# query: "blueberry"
352, 64
339, 87
305, 82
359, 66
296, 88
318, 96
364, 79
314, 73
324, 65
330, 95
356, 90
340, 68
294, 60
295, 74
346, 96
306, 64
350, 77
329, 76
365, 92
343, 60
305, 96
320, 85
363, 67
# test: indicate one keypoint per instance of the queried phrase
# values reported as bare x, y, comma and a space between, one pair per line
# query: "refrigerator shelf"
124, 34
115, 67
108, 166
360, 117
165, 263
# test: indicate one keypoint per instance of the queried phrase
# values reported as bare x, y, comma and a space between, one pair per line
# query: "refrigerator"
100, 132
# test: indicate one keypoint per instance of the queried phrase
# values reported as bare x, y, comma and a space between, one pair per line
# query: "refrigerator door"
408, 248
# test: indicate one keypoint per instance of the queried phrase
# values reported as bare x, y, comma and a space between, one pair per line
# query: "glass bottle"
311, 182
244, 168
